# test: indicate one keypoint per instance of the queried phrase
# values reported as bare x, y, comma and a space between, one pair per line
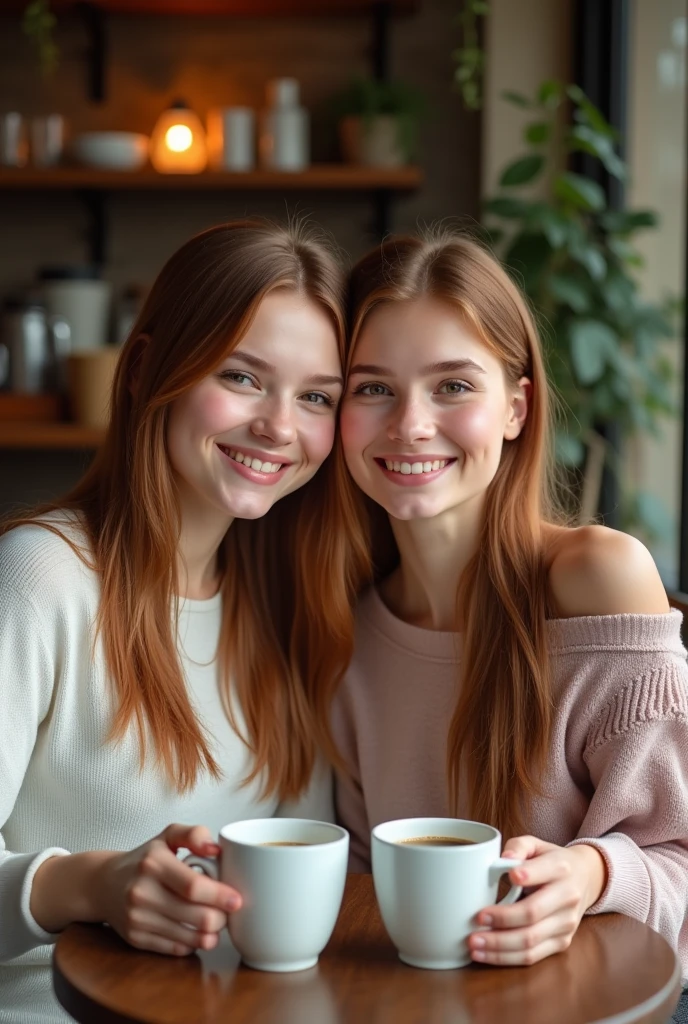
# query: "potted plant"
575, 257
378, 122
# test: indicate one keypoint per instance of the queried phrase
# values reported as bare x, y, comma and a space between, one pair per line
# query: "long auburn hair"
289, 577
499, 735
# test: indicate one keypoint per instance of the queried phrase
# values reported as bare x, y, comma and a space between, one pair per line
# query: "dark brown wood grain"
615, 966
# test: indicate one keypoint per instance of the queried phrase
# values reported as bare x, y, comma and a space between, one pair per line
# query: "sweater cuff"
17, 873
628, 888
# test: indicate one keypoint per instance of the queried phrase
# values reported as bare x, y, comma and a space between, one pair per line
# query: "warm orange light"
178, 138
178, 143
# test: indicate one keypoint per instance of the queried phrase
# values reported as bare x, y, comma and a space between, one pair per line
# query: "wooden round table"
616, 969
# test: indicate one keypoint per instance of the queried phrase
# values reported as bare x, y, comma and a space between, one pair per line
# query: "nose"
275, 422
411, 421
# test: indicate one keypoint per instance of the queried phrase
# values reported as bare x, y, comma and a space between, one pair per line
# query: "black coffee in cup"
285, 844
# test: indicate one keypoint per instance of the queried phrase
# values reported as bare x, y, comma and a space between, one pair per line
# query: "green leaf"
527, 256
522, 171
551, 223
505, 206
517, 99
570, 292
624, 222
591, 343
568, 450
589, 113
537, 132
590, 258
580, 191
625, 252
550, 94
618, 291
601, 146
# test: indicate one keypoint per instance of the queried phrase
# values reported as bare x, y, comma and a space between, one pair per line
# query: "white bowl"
116, 151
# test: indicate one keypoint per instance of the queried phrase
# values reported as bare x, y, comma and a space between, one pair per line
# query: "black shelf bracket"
94, 19
95, 201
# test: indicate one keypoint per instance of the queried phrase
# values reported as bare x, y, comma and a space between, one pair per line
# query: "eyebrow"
260, 364
451, 366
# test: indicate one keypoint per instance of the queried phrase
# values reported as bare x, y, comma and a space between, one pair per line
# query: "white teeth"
257, 464
415, 468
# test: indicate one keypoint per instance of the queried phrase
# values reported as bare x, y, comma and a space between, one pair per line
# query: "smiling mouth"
413, 468
257, 465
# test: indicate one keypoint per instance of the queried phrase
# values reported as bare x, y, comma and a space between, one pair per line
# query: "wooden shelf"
40, 436
333, 177
229, 8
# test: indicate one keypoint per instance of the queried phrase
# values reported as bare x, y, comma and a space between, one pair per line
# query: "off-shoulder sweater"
617, 776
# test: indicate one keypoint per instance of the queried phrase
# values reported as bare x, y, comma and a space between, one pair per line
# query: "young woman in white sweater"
160, 629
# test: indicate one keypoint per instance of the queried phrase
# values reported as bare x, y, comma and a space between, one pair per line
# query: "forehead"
291, 329
419, 331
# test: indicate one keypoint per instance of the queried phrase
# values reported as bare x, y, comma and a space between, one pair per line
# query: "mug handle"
499, 868
207, 865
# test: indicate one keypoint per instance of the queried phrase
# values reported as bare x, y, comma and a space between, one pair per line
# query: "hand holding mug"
568, 880
156, 902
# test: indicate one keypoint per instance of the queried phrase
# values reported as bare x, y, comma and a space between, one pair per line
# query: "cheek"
475, 427
355, 430
318, 439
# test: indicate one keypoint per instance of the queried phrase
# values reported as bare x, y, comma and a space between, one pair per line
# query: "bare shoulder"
597, 571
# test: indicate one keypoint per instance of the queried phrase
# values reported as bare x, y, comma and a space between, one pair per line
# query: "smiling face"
427, 410
262, 424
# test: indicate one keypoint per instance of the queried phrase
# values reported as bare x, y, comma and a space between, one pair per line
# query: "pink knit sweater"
618, 774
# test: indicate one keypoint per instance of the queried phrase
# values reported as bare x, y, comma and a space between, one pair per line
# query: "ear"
138, 348
518, 409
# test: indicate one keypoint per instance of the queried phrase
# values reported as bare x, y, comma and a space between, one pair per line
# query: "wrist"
596, 872
65, 889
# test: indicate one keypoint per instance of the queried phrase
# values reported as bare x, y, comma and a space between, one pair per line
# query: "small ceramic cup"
290, 873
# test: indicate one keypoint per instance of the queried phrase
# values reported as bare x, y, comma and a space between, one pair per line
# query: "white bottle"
284, 128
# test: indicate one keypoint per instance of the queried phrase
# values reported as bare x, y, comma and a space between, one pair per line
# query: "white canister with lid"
78, 295
284, 128
232, 138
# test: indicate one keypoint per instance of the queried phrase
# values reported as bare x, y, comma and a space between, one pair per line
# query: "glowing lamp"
178, 142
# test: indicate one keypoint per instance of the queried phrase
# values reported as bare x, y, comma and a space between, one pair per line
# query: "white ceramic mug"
429, 895
291, 894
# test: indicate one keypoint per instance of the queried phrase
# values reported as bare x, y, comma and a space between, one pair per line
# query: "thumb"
196, 838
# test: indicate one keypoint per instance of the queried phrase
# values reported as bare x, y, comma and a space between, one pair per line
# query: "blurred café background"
555, 129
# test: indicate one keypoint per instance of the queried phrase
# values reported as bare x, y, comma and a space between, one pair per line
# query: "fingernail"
232, 903
520, 876
485, 919
509, 854
477, 940
479, 954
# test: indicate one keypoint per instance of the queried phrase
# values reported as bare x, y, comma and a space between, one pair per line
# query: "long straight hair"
499, 735
289, 577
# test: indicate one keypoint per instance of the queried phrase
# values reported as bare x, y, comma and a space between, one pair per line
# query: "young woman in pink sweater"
507, 668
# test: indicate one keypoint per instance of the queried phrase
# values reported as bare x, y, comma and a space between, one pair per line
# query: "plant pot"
372, 141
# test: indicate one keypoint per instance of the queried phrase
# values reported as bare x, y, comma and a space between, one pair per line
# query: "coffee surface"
436, 841
285, 844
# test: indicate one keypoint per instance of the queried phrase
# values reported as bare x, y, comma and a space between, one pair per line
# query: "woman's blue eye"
374, 390
237, 377
317, 398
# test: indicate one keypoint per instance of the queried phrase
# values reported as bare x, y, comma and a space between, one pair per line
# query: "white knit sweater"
63, 788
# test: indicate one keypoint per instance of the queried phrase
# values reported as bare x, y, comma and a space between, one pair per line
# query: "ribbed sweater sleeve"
637, 756
27, 672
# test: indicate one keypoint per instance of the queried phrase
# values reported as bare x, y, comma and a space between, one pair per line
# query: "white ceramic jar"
284, 128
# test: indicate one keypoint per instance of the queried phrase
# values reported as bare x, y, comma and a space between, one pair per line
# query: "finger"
144, 921
157, 944
524, 957
550, 867
196, 838
546, 901
556, 925
524, 847
192, 886
162, 901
